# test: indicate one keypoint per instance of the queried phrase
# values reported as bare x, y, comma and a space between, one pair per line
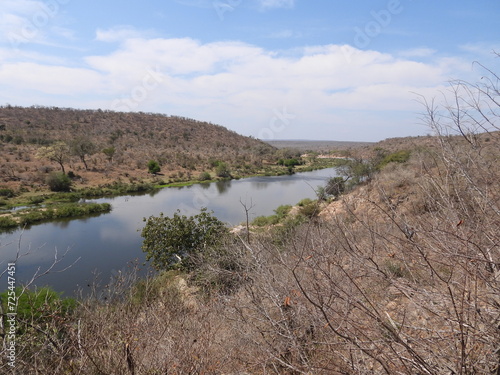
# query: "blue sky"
274, 69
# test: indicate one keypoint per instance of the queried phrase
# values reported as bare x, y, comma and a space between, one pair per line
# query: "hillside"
317, 146
398, 275
183, 147
395, 270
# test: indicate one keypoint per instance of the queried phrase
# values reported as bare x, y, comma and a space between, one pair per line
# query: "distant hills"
307, 145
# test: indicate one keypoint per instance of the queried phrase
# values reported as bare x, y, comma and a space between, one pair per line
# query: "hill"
317, 146
106, 146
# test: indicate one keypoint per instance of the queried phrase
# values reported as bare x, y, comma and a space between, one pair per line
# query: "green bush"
7, 193
335, 186
37, 199
153, 167
35, 216
310, 210
39, 307
395, 157
304, 202
222, 170
289, 162
262, 221
176, 242
204, 176
58, 181
7, 222
59, 211
282, 211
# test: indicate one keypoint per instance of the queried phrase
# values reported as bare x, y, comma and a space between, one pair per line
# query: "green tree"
222, 170
58, 181
335, 186
357, 171
58, 152
109, 152
153, 167
82, 147
176, 242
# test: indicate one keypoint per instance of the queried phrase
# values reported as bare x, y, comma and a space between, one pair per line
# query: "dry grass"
400, 276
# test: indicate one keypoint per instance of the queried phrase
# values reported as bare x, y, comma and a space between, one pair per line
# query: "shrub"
395, 157
39, 308
335, 186
37, 199
304, 202
175, 242
58, 181
262, 221
222, 170
310, 210
282, 211
281, 214
7, 222
8, 193
289, 162
153, 167
204, 176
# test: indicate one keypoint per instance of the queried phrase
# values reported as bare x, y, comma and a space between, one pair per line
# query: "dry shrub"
401, 276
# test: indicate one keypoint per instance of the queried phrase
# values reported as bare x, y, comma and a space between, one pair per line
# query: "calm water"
107, 244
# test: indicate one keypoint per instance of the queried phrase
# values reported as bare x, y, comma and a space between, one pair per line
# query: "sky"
271, 69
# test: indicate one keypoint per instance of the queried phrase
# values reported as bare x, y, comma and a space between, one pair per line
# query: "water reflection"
223, 186
110, 241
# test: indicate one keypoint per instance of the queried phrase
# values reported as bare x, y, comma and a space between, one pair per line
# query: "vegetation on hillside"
101, 153
104, 146
400, 274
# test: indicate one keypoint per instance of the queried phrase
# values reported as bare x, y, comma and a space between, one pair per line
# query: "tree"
335, 186
58, 152
222, 170
82, 147
109, 152
357, 170
175, 242
153, 167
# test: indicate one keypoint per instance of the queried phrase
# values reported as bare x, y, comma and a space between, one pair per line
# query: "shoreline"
34, 206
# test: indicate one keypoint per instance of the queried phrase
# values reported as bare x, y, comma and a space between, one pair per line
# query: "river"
98, 248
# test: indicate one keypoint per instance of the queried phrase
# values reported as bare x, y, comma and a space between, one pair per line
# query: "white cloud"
118, 34
31, 21
240, 85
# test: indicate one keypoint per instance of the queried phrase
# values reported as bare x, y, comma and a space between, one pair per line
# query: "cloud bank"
335, 91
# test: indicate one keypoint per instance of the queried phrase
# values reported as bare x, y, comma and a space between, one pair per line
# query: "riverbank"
24, 208
33, 215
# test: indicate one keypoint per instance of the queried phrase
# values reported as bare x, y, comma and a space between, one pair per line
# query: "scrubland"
398, 275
